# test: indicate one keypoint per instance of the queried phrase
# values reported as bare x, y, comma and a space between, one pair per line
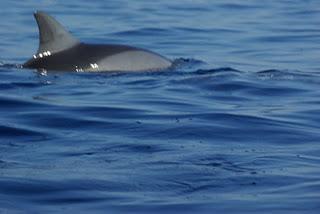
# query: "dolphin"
59, 50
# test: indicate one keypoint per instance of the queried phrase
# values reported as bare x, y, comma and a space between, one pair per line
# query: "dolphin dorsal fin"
53, 36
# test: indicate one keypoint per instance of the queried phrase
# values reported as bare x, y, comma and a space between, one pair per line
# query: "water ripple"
232, 127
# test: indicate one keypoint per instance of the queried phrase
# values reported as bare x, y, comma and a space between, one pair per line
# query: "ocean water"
233, 128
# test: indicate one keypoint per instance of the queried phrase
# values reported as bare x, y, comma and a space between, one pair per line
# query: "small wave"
9, 102
285, 74
217, 71
61, 192
143, 32
10, 65
187, 63
8, 132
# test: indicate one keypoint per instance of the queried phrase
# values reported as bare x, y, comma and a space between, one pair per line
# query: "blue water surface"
233, 128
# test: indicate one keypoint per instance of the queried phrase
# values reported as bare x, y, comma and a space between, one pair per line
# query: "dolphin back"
59, 50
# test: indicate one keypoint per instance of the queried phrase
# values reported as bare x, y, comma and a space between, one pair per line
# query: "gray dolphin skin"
60, 51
